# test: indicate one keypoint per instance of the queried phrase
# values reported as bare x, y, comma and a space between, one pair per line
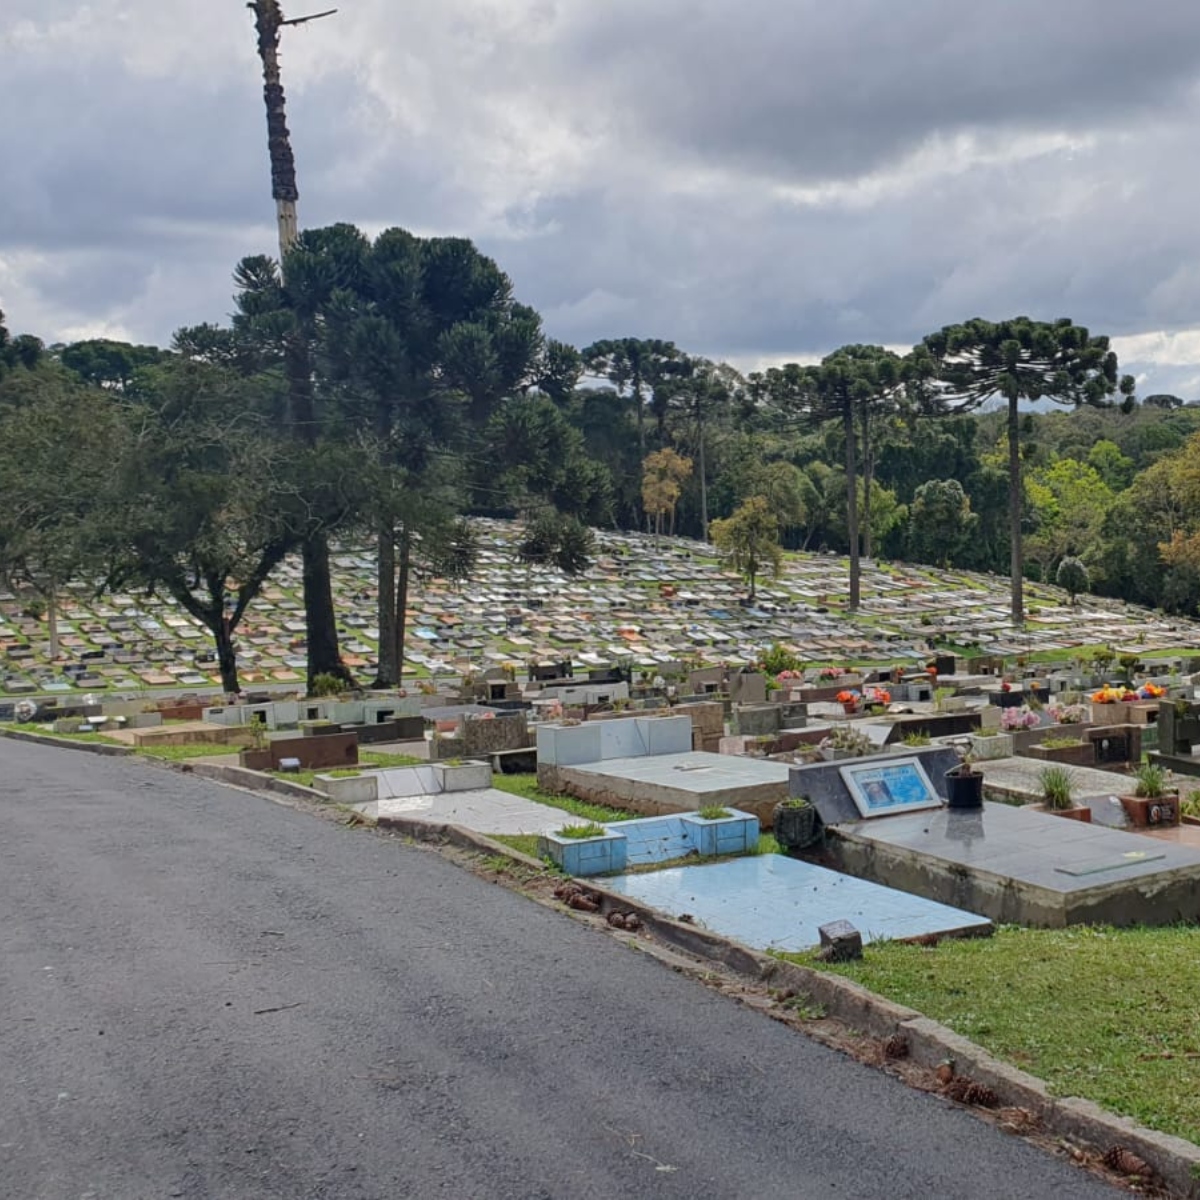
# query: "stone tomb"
645, 765
1013, 865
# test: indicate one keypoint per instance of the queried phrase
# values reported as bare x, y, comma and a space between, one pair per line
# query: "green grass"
527, 786
1105, 1014
377, 758
366, 758
589, 829
183, 753
526, 843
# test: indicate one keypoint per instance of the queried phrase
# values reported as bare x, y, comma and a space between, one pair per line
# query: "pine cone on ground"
896, 1046
1125, 1162
966, 1091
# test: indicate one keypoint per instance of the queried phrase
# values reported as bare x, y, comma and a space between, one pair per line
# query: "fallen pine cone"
965, 1091
945, 1071
582, 902
633, 922
896, 1046
1125, 1162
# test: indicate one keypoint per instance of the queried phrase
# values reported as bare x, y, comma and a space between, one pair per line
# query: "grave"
645, 765
769, 902
1013, 865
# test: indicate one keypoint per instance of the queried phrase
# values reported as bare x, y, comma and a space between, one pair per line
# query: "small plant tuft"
714, 812
579, 832
1151, 781
1058, 787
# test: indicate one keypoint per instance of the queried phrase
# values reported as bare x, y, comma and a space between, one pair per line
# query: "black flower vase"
964, 788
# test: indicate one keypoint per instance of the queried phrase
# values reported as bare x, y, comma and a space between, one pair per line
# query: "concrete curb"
243, 777
43, 739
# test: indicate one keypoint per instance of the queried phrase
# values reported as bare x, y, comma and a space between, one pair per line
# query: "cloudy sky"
758, 181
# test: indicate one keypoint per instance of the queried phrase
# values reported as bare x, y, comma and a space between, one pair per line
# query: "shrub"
326, 684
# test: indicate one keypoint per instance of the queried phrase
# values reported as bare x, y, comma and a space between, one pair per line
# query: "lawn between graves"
367, 759
1105, 1014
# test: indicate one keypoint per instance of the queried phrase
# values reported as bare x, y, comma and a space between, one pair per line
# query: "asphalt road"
206, 995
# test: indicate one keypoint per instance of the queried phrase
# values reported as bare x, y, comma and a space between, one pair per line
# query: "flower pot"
851, 707
964, 789
1144, 812
1077, 812
794, 827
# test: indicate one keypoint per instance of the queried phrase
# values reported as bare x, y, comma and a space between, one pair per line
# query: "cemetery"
640, 687
648, 606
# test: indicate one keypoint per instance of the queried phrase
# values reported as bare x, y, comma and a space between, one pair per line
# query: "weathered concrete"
673, 783
1017, 866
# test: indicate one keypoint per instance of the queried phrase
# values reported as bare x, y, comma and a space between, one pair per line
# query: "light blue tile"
772, 902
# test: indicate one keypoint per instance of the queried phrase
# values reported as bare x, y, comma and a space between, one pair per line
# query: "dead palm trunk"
323, 651
267, 20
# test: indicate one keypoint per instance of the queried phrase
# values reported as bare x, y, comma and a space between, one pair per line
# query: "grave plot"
770, 902
1013, 865
645, 765
648, 602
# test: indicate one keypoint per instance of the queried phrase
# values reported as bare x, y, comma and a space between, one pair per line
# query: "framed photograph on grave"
882, 788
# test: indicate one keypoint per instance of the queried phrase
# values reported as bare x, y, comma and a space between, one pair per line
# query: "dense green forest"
390, 388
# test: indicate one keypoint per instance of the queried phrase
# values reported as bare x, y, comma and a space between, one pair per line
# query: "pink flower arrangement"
1018, 718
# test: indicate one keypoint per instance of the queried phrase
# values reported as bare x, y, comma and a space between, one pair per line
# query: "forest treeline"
389, 388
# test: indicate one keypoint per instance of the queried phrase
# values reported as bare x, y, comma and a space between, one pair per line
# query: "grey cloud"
636, 146
810, 90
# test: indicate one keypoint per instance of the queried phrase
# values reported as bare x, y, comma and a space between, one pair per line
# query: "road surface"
207, 995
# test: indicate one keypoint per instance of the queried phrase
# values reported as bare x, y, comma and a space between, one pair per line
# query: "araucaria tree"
847, 386
1019, 360
750, 540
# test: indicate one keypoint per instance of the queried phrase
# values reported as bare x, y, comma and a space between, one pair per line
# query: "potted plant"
964, 785
1058, 794
1152, 803
850, 700
795, 824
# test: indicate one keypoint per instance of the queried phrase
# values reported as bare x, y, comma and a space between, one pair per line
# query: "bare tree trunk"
387, 672
1017, 564
852, 505
226, 654
401, 624
868, 474
52, 621
703, 476
324, 654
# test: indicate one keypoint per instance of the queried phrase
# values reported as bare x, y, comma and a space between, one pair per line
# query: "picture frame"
882, 788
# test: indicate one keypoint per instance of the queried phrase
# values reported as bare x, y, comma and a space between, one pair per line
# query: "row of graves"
647, 603
863, 780
856, 769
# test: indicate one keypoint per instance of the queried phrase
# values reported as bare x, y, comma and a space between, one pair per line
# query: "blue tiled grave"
650, 840
771, 902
